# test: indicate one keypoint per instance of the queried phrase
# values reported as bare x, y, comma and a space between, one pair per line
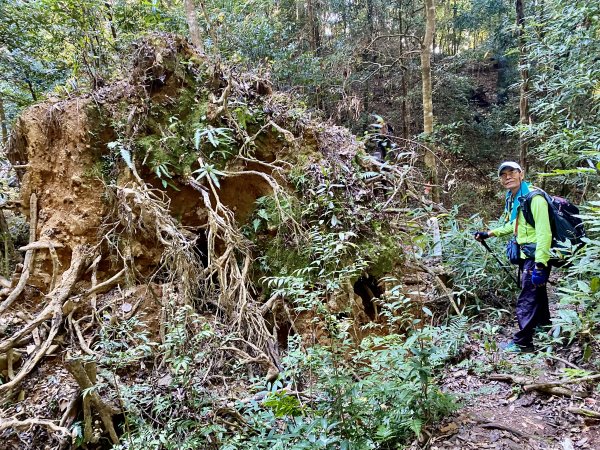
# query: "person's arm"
543, 232
505, 230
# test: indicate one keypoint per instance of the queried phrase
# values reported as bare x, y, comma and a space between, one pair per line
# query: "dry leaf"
452, 427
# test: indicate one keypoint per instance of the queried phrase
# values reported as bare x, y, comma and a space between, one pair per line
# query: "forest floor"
502, 415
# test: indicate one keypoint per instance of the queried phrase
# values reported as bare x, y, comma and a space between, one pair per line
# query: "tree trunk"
190, 16
524, 91
370, 17
3, 126
313, 24
404, 82
430, 161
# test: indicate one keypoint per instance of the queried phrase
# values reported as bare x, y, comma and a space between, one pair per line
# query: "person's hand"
481, 235
539, 276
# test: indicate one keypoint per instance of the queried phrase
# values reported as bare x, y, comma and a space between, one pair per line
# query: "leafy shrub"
379, 394
579, 292
476, 274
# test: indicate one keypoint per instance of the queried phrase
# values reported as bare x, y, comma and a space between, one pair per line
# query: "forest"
299, 224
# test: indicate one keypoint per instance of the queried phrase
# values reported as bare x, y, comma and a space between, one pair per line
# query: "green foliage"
475, 272
123, 343
563, 46
377, 395
579, 292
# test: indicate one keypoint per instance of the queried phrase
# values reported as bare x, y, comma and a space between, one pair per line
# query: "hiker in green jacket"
534, 247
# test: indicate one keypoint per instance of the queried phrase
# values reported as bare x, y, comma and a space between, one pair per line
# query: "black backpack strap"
525, 204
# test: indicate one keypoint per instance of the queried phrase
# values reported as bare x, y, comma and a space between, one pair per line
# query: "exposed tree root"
29, 255
231, 267
552, 388
6, 424
52, 310
85, 375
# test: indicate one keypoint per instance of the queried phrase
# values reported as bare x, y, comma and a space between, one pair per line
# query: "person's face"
511, 179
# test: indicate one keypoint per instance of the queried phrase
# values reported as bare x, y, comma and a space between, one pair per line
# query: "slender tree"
426, 48
190, 16
3, 126
524, 90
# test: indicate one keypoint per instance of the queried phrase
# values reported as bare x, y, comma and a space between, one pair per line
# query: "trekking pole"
487, 247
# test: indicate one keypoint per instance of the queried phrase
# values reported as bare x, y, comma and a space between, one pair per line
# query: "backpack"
567, 229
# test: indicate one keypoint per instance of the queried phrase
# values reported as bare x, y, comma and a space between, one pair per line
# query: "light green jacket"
541, 235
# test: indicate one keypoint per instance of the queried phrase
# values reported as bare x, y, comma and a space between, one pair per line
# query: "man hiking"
532, 254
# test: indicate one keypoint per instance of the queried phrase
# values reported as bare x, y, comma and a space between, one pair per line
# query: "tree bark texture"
524, 90
190, 16
3, 126
313, 24
426, 45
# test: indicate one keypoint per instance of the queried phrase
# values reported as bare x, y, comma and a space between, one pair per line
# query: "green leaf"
197, 138
214, 178
595, 285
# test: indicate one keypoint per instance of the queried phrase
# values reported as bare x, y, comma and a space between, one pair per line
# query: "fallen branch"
585, 412
562, 382
552, 388
499, 426
564, 361
449, 295
40, 245
516, 379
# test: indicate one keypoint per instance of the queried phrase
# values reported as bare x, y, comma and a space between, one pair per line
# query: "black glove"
481, 235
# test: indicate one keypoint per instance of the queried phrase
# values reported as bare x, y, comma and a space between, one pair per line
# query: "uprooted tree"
183, 198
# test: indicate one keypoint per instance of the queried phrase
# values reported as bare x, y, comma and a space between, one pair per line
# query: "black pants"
532, 306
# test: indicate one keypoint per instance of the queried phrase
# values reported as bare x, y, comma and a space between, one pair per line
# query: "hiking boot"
512, 347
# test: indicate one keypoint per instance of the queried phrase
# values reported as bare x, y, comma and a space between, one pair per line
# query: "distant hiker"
381, 135
530, 249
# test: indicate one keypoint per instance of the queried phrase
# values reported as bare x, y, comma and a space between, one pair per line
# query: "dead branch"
29, 255
564, 361
537, 386
82, 343
442, 287
552, 388
499, 426
105, 285
6, 424
86, 378
515, 379
41, 245
269, 304
588, 413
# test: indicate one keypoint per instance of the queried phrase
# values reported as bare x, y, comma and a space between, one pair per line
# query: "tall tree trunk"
524, 91
190, 16
370, 17
426, 45
404, 83
3, 126
454, 35
313, 24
